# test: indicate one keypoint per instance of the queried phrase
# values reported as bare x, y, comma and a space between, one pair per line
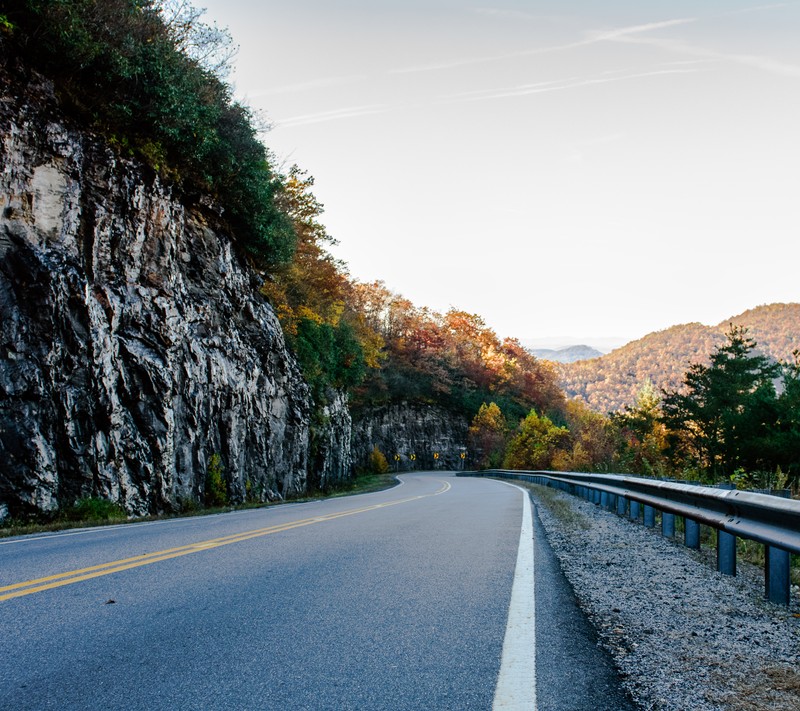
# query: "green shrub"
328, 355
94, 509
6, 27
216, 493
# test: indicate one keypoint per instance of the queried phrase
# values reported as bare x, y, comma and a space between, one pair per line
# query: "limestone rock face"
406, 429
133, 341
331, 458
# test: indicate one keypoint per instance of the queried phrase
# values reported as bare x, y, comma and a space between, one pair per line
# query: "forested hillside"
610, 383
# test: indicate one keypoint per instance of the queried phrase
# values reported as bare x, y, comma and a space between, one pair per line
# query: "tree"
312, 296
211, 46
487, 435
784, 435
536, 443
642, 434
719, 419
592, 439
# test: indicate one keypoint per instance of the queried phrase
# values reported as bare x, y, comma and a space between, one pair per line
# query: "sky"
571, 171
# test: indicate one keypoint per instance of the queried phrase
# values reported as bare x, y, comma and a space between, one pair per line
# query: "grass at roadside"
98, 512
556, 505
362, 484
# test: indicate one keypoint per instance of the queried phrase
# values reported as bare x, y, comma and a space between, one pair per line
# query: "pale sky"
560, 168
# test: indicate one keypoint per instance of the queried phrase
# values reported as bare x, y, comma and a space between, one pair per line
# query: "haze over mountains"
602, 344
569, 354
610, 382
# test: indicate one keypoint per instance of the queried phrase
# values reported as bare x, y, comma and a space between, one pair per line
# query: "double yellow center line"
29, 587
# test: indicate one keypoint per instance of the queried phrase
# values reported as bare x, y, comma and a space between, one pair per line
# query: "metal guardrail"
770, 520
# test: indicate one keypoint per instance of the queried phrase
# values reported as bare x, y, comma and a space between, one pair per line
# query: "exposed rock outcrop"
133, 341
407, 429
331, 459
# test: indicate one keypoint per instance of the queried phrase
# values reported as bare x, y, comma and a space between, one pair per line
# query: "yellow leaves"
538, 444
489, 418
305, 313
372, 344
487, 435
377, 461
287, 318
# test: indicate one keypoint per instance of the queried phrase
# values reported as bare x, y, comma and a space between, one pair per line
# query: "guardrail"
770, 520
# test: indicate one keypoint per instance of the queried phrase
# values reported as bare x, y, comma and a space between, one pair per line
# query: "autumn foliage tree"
453, 359
487, 436
311, 295
592, 444
536, 443
643, 444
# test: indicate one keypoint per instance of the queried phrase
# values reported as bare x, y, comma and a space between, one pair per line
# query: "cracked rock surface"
134, 343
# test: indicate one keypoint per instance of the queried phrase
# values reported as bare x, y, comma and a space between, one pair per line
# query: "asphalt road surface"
394, 600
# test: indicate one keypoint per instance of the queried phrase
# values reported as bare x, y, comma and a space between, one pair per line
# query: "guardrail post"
634, 511
667, 525
603, 500
726, 553
649, 516
776, 574
691, 533
622, 505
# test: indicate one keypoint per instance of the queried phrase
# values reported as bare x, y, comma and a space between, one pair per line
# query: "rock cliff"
133, 341
406, 429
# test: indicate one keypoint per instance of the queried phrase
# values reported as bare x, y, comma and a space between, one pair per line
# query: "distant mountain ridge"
611, 382
570, 354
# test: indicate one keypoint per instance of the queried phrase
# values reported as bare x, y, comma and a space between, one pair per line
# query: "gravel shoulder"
682, 635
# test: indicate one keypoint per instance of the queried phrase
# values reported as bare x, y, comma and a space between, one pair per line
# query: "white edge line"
516, 682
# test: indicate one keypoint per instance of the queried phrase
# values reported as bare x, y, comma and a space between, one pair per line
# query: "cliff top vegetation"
148, 74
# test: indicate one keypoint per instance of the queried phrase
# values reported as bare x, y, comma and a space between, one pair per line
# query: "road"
393, 600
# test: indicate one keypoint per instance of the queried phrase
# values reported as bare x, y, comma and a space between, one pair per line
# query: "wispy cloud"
605, 35
767, 64
542, 87
333, 115
571, 83
591, 37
